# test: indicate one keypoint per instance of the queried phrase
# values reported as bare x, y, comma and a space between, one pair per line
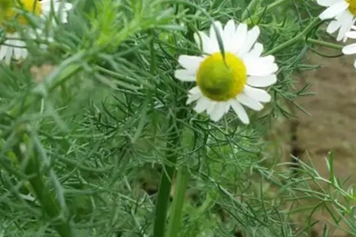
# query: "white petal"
17, 53
349, 49
195, 90
240, 36
257, 94
251, 39
230, 28
184, 75
333, 26
261, 66
8, 55
18, 48
355, 64
194, 94
334, 10
192, 98
3, 51
267, 59
351, 34
211, 107
263, 81
24, 53
57, 5
326, 3
229, 36
190, 63
240, 111
345, 37
227, 107
249, 102
218, 111
214, 45
67, 6
257, 50
202, 104
203, 42
346, 21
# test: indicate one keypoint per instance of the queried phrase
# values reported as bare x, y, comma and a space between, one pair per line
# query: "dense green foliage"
83, 145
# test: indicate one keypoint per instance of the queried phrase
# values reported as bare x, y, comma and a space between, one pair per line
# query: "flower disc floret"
32, 6
221, 79
352, 6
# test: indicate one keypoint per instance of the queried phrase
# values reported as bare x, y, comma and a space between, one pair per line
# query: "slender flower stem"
323, 43
166, 178
298, 37
272, 5
248, 9
178, 201
260, 11
45, 197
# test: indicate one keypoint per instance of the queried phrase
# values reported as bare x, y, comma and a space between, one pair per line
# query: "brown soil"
331, 126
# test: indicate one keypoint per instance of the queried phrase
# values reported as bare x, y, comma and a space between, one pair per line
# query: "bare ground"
331, 126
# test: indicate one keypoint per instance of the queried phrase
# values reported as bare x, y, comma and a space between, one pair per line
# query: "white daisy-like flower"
14, 47
230, 80
58, 7
351, 48
343, 13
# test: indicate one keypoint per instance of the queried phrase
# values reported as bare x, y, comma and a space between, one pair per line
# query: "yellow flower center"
221, 80
12, 14
352, 6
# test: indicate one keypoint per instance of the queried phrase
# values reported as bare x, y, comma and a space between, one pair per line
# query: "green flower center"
352, 6
221, 80
11, 14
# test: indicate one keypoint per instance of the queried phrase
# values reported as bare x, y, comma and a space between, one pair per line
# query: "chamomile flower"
351, 48
343, 13
230, 80
13, 46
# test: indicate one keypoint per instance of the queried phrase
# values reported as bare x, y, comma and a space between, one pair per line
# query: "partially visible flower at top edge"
342, 13
230, 81
14, 47
351, 48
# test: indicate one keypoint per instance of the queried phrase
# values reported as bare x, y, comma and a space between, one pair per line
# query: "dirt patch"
331, 126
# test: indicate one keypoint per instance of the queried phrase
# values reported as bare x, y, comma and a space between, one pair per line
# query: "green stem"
298, 37
47, 200
178, 201
166, 179
323, 43
40, 190
272, 5
248, 9
262, 10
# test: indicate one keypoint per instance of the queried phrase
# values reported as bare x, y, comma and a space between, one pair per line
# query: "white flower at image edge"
342, 13
351, 48
13, 46
58, 7
230, 81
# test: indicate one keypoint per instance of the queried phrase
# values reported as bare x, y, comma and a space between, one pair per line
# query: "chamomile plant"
154, 117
